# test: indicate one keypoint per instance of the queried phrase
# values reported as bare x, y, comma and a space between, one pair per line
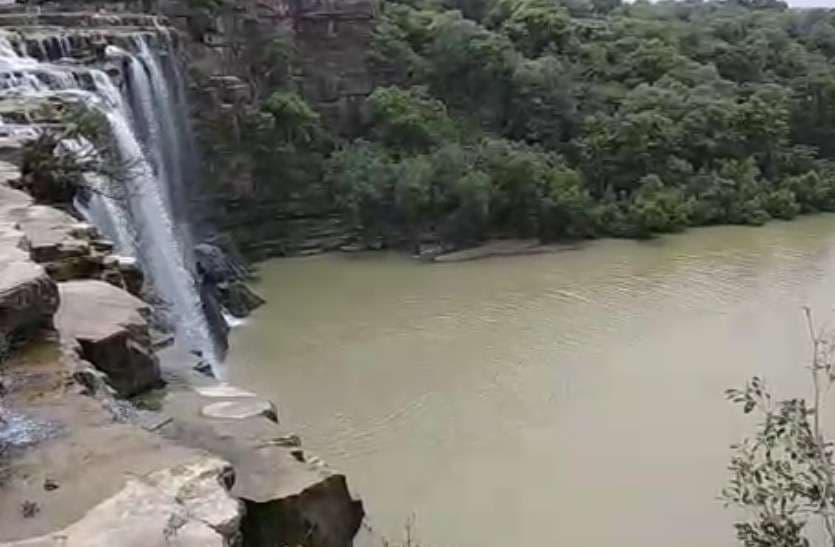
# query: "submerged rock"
238, 410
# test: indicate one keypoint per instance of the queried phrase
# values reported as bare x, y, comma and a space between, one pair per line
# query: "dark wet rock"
213, 312
238, 299
214, 265
205, 369
222, 274
317, 516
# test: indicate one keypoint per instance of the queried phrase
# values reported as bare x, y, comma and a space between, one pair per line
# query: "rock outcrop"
223, 277
188, 505
230, 47
66, 247
289, 500
109, 326
28, 296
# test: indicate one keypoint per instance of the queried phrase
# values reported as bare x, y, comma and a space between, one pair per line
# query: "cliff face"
330, 39
237, 54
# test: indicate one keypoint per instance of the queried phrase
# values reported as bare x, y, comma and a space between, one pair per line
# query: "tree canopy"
583, 118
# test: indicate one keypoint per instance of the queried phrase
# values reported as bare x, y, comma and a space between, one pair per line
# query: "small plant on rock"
77, 154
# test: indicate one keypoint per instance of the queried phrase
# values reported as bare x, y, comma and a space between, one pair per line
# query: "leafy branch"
783, 476
77, 154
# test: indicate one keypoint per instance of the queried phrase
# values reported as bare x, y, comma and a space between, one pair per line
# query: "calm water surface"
571, 399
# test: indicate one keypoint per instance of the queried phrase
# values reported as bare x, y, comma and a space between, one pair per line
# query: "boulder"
289, 500
238, 299
322, 515
222, 275
28, 297
188, 506
216, 265
59, 242
109, 326
203, 488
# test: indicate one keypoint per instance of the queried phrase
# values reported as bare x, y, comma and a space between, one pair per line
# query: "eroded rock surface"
187, 505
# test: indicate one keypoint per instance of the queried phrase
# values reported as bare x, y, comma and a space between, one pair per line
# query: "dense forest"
566, 119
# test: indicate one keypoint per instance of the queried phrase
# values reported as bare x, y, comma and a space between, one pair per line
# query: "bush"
659, 209
408, 120
781, 204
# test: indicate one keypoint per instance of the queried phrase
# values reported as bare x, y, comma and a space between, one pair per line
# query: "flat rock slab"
240, 410
223, 391
51, 234
289, 500
108, 325
90, 460
188, 506
95, 310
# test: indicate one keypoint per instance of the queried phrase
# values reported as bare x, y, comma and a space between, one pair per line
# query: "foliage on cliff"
583, 118
571, 118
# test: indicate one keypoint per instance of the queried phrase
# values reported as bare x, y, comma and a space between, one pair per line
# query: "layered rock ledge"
193, 462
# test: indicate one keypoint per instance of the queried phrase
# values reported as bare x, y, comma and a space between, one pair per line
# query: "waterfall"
150, 222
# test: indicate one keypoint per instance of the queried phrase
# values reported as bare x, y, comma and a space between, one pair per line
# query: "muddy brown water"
572, 398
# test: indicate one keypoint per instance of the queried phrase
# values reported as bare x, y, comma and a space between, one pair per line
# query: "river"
573, 398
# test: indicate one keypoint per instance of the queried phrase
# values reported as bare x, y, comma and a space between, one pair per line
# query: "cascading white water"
110, 216
159, 247
143, 226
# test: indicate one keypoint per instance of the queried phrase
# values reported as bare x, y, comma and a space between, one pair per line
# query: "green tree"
408, 120
542, 108
537, 25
